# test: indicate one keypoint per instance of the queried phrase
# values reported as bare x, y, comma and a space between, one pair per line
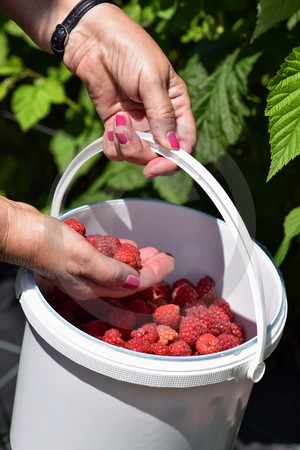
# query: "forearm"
38, 18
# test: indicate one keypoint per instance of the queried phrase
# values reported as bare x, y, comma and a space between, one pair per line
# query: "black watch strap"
60, 36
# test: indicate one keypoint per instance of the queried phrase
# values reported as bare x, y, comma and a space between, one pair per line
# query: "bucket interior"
201, 244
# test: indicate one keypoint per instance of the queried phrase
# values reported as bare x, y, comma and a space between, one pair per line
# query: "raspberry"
166, 334
205, 316
207, 343
138, 345
148, 332
76, 225
69, 316
181, 281
206, 288
228, 341
220, 304
121, 319
198, 308
137, 305
71, 305
163, 290
157, 348
238, 331
146, 294
128, 254
167, 315
156, 302
184, 294
107, 245
180, 348
113, 337
190, 329
96, 328
223, 323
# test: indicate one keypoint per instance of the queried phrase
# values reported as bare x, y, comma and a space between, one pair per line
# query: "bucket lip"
246, 346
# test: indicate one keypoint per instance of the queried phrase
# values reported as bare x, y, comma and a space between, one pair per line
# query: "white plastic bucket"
75, 392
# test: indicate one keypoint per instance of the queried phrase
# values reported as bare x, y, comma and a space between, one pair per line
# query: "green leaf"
133, 10
124, 175
283, 109
174, 188
60, 73
291, 229
271, 12
12, 28
53, 89
3, 47
62, 147
30, 104
11, 66
218, 105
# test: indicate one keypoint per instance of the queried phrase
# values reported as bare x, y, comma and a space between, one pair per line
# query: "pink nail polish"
131, 282
122, 138
120, 120
173, 141
110, 136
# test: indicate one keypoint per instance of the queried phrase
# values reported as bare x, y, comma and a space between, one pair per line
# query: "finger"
132, 148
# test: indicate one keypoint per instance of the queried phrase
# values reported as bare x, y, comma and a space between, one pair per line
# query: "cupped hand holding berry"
61, 255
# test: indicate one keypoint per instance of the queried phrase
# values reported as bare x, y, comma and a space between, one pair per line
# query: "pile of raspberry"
183, 319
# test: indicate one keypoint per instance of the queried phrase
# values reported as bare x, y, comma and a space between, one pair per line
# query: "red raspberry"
164, 290
107, 245
238, 331
220, 304
207, 343
148, 332
139, 306
190, 329
157, 348
113, 337
184, 295
121, 319
76, 225
156, 303
167, 315
228, 341
223, 323
206, 317
181, 281
166, 334
206, 288
146, 294
96, 328
128, 254
195, 309
138, 345
69, 316
71, 305
180, 348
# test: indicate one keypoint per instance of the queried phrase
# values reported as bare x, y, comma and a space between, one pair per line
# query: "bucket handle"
226, 208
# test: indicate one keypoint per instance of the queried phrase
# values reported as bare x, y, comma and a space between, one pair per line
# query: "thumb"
161, 115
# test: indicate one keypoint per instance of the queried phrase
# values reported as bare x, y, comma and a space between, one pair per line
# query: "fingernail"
110, 136
122, 138
131, 282
120, 120
173, 141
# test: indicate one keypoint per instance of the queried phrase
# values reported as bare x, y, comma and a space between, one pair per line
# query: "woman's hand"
133, 87
63, 257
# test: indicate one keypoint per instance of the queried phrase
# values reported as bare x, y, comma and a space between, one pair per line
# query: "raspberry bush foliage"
240, 60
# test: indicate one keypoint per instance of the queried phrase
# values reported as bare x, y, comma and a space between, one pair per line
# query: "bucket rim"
73, 342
